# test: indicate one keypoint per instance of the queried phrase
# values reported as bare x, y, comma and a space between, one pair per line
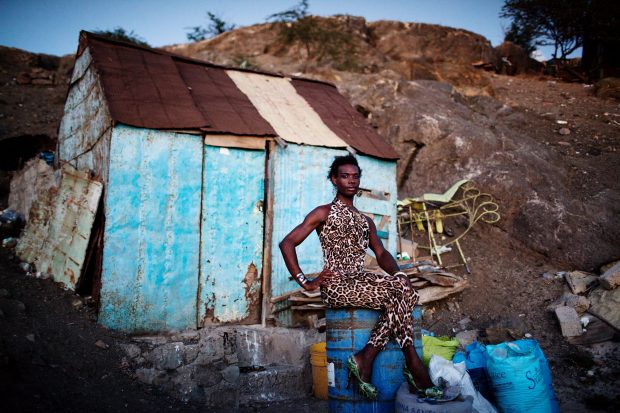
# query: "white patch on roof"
289, 114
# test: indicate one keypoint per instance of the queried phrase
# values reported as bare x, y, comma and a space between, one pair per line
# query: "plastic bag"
475, 360
456, 375
517, 378
440, 346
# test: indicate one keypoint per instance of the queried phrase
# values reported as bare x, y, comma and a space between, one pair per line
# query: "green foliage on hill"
123, 35
216, 26
322, 39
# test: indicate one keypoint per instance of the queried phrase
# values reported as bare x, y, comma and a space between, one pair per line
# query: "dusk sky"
52, 26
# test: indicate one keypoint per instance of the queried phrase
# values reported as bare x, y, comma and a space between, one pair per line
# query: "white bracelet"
400, 273
301, 278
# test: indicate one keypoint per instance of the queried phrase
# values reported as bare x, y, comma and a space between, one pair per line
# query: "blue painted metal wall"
300, 185
232, 234
380, 176
151, 241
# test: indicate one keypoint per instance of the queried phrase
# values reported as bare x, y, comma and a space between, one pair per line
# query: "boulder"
607, 88
606, 305
569, 321
611, 278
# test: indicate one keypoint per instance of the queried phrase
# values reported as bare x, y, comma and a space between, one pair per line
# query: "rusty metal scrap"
56, 237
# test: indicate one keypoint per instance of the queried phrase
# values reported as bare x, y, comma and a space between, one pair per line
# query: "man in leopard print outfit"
345, 234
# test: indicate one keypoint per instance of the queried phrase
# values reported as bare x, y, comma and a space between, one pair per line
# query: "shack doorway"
231, 229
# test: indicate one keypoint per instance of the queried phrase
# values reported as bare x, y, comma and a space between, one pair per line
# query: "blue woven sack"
517, 377
546, 372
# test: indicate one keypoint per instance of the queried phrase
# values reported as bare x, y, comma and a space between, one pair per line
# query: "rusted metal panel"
338, 114
57, 235
289, 114
221, 102
152, 231
86, 125
154, 89
300, 185
232, 235
143, 86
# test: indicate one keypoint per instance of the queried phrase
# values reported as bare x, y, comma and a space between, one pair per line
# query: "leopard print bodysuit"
344, 239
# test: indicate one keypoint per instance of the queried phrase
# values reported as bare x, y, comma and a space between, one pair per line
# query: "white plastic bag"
456, 375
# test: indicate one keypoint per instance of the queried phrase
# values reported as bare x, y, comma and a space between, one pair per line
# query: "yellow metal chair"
461, 199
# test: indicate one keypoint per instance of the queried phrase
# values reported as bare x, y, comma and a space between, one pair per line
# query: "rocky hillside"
552, 168
418, 86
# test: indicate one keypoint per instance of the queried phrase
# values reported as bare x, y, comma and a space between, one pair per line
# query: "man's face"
347, 181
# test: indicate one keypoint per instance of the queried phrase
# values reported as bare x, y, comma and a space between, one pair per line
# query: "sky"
53, 26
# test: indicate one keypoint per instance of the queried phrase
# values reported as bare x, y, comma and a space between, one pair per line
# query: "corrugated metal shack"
205, 168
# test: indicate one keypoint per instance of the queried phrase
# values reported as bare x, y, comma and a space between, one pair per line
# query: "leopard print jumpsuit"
344, 239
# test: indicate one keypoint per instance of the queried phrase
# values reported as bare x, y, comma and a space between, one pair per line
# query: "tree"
216, 26
121, 34
297, 12
522, 36
320, 38
547, 23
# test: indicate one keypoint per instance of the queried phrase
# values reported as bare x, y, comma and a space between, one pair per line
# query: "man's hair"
342, 160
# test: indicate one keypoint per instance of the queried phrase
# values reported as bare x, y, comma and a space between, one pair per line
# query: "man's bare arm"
287, 246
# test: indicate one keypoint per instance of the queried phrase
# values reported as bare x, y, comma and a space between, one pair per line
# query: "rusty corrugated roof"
337, 113
154, 89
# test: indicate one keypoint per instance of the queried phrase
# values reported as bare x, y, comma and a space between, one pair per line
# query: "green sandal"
368, 390
431, 392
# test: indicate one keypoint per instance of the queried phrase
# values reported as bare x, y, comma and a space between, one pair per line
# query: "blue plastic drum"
348, 331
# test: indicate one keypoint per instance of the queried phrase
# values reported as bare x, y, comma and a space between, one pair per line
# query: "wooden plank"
597, 331
284, 296
235, 141
268, 234
296, 299
437, 293
438, 279
308, 307
375, 194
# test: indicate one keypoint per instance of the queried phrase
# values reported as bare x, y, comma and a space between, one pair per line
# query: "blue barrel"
348, 331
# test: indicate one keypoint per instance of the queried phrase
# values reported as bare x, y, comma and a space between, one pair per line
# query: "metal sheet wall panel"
380, 175
57, 236
232, 234
152, 231
301, 184
86, 125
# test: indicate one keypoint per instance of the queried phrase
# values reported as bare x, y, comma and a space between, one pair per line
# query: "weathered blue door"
231, 253
151, 244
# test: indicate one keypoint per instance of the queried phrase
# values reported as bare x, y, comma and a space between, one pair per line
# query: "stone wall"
226, 366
